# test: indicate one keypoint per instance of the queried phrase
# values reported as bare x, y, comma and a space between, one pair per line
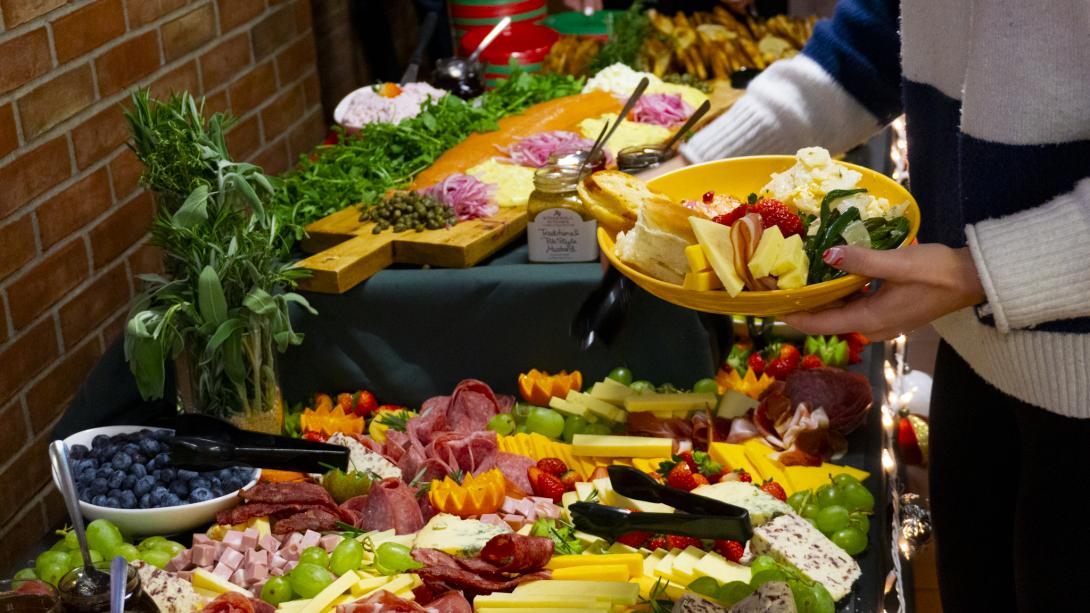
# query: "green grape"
171, 547
52, 572
822, 600
75, 559
734, 591
857, 497
704, 585
307, 580
621, 375
521, 429
831, 519
50, 557
103, 536
25, 574
810, 511
395, 557
828, 495
502, 424
765, 576
59, 546
573, 424
642, 386
706, 386
346, 556
156, 557
127, 551
71, 541
314, 555
597, 428
545, 422
860, 522
799, 499
276, 590
851, 540
151, 542
844, 479
809, 599
520, 411
763, 563
96, 556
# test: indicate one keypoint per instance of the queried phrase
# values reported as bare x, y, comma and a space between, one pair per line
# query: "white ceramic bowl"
144, 522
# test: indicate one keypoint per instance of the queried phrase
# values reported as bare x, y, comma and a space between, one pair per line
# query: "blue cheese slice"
363, 459
456, 536
762, 506
793, 540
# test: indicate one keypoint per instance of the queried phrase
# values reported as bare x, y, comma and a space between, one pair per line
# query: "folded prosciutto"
389, 504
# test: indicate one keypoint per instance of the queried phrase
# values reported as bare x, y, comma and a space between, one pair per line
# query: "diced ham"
277, 561
257, 556
223, 571
204, 555
220, 548
493, 519
329, 542
182, 561
255, 572
276, 572
258, 586
233, 539
231, 558
186, 575
250, 538
239, 577
515, 521
201, 539
310, 539
291, 549
269, 542
290, 565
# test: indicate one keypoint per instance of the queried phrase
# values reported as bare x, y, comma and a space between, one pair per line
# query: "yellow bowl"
741, 176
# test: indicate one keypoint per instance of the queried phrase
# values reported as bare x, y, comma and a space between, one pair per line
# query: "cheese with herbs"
792, 540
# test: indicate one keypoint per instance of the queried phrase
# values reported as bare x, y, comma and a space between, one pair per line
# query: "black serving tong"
204, 442
602, 314
427, 28
697, 516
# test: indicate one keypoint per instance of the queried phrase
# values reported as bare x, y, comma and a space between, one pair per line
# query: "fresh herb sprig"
626, 39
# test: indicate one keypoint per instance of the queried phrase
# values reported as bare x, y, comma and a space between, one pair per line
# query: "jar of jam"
76, 597
459, 76
560, 228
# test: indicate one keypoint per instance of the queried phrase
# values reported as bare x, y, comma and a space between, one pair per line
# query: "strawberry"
681, 542
315, 436
731, 550
776, 213
708, 197
744, 476
549, 486
756, 363
778, 369
811, 361
734, 215
657, 542
553, 466
362, 403
681, 477
534, 474
634, 539
699, 479
856, 342
568, 478
774, 489
688, 457
790, 354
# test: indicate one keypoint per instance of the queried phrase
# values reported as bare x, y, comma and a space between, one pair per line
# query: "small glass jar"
78, 600
640, 158
560, 228
459, 76
28, 596
578, 159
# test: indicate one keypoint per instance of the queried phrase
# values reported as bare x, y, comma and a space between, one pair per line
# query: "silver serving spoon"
92, 580
643, 157
119, 576
492, 35
603, 137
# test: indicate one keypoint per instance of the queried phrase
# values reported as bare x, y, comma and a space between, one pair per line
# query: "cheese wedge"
331, 593
735, 404
698, 262
715, 240
598, 407
611, 391
767, 253
612, 446
665, 566
683, 564
733, 456
619, 547
721, 569
813, 477
673, 403
789, 256
702, 281
648, 585
632, 561
757, 453
618, 592
602, 572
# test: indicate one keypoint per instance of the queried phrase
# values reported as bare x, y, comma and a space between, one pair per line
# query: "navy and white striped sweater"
996, 95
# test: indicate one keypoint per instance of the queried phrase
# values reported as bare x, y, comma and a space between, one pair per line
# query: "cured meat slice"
514, 467
461, 579
390, 504
646, 424
246, 512
434, 557
381, 601
471, 406
318, 520
845, 396
474, 452
288, 492
517, 553
451, 602
233, 602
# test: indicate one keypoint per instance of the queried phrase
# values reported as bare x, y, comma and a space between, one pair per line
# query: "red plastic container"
526, 43
501, 8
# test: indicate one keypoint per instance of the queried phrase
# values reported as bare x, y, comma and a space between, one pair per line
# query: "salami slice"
451, 602
318, 520
288, 492
233, 602
461, 579
515, 553
391, 504
514, 467
246, 512
380, 602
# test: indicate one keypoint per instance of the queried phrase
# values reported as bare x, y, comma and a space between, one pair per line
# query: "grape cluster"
839, 509
133, 471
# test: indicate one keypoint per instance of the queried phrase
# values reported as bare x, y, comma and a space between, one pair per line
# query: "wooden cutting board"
346, 252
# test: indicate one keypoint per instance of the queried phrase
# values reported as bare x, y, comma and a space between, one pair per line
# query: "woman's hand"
919, 284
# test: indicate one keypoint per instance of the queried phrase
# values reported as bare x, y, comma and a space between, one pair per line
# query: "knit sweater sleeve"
837, 93
1033, 264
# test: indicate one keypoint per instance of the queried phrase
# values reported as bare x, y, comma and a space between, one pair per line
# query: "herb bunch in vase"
220, 310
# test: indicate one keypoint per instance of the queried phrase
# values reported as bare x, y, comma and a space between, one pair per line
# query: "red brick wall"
72, 217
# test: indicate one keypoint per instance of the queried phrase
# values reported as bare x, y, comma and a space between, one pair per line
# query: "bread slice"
658, 253
611, 195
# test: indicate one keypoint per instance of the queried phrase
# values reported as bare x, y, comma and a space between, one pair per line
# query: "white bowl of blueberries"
123, 474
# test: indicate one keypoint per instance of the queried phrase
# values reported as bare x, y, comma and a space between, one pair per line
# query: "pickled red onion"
667, 110
534, 151
467, 195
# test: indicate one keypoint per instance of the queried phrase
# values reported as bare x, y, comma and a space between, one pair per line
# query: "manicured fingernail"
833, 256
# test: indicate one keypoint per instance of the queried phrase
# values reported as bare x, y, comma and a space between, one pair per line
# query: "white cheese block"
793, 540
772, 597
363, 459
761, 506
456, 536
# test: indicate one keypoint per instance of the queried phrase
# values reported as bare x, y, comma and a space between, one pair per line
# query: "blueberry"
224, 473
99, 501
199, 482
200, 494
98, 486
150, 446
127, 500
161, 435
156, 474
232, 484
145, 501
128, 483
99, 441
121, 460
162, 460
113, 502
144, 485
172, 500
180, 488
104, 473
113, 493
138, 470
145, 432
168, 475
158, 494
84, 479
107, 465
139, 458
115, 479
78, 452
186, 475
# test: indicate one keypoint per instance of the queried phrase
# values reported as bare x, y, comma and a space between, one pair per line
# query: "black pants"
1007, 483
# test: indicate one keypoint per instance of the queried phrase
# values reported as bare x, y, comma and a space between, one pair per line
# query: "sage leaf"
260, 302
194, 211
211, 302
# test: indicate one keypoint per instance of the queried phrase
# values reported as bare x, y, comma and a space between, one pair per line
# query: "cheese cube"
619, 547
721, 569
715, 241
670, 402
792, 540
701, 281
648, 584
569, 498
584, 489
652, 560
610, 445
683, 565
698, 262
619, 592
